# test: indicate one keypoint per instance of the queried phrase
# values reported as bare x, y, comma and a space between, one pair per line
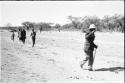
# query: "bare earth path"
56, 58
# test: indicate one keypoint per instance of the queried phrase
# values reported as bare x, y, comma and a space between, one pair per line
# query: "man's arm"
88, 34
95, 46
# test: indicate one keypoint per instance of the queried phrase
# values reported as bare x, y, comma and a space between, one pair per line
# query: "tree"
8, 25
28, 25
76, 21
40, 27
68, 26
57, 26
106, 20
44, 26
90, 20
114, 23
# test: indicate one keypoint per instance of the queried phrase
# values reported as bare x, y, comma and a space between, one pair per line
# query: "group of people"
89, 45
22, 35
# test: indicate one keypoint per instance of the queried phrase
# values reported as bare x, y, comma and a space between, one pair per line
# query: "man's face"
93, 29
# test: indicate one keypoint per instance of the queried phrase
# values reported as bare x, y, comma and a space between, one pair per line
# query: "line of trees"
107, 23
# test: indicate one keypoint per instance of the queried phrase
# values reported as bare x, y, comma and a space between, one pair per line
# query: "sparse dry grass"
56, 57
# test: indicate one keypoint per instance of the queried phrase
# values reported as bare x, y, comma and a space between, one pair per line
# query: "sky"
16, 12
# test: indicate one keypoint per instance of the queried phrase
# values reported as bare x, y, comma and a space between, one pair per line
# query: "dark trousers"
89, 58
12, 37
33, 40
23, 39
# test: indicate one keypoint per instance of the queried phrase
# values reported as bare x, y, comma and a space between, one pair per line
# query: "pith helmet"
92, 26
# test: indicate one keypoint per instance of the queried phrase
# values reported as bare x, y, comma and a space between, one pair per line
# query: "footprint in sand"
37, 77
74, 77
36, 54
5, 49
54, 53
51, 60
25, 51
42, 47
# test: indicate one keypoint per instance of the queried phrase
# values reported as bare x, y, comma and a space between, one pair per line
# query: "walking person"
19, 34
89, 47
33, 35
23, 34
12, 36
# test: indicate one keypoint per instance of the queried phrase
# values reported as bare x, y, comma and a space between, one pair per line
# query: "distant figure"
40, 29
59, 29
33, 35
23, 36
89, 46
19, 34
12, 36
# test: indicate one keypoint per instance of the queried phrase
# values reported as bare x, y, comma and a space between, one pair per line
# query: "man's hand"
96, 46
93, 31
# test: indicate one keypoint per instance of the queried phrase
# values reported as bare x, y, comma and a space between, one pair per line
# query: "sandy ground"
56, 58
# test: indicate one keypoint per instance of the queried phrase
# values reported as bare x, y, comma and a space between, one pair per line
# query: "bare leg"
90, 63
33, 39
85, 59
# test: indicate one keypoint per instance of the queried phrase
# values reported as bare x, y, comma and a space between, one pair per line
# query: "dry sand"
56, 58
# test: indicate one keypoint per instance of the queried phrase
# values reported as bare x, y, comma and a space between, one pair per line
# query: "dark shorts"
88, 47
88, 52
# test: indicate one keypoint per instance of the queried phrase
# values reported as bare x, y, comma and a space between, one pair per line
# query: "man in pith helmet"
89, 46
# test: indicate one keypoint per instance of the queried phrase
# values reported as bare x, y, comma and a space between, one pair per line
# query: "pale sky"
16, 12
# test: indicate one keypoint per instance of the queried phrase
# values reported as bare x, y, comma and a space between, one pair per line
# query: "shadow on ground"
111, 69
